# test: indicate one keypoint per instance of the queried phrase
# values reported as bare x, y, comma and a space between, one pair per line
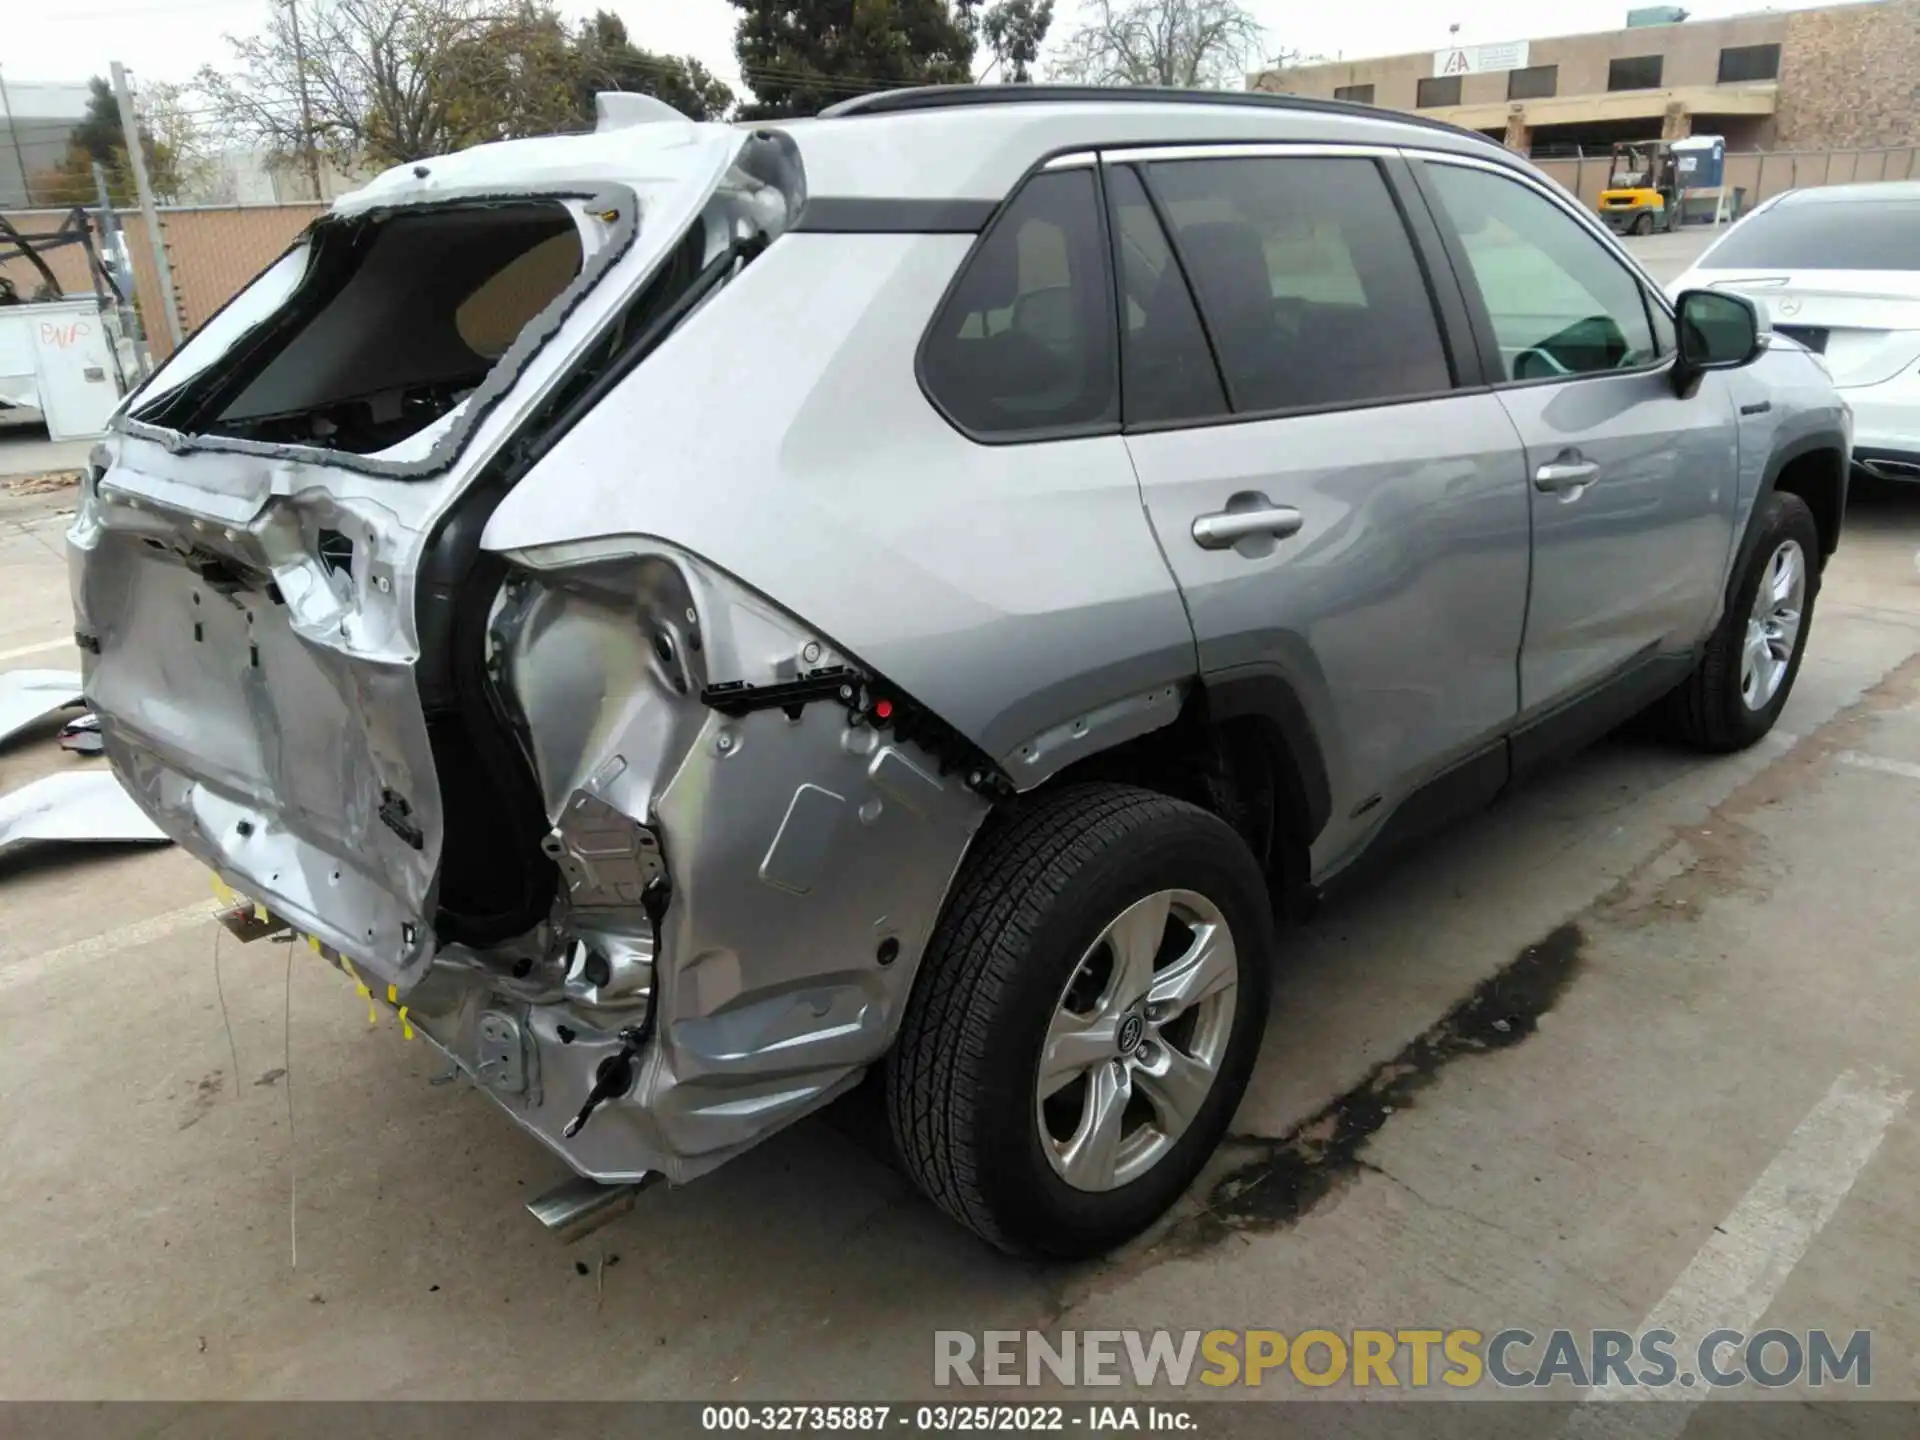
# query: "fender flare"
1776, 463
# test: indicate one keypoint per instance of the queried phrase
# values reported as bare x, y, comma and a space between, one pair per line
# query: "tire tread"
1003, 894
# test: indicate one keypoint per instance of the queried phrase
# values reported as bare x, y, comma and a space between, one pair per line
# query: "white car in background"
1838, 270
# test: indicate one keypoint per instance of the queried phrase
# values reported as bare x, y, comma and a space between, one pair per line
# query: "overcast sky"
170, 39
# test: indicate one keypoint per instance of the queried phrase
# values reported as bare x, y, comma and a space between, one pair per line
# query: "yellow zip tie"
405, 1028
373, 1014
313, 943
260, 912
393, 996
222, 891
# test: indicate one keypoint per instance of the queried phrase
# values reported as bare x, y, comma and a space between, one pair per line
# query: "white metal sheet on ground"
78, 806
26, 695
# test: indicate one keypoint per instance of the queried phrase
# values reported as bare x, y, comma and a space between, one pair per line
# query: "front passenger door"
1632, 487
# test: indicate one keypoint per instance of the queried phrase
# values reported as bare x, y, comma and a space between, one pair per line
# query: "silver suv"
696, 613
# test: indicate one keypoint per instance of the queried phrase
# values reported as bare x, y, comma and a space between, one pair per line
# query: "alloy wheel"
1773, 625
1137, 1039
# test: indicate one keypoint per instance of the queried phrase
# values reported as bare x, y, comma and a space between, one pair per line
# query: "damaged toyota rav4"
697, 614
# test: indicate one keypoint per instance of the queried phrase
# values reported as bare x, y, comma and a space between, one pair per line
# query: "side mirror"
1718, 330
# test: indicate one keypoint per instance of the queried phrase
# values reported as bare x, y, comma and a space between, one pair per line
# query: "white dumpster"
57, 357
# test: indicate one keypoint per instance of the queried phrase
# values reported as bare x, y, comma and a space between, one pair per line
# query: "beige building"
1840, 77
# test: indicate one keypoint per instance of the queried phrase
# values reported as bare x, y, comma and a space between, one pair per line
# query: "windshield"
1824, 235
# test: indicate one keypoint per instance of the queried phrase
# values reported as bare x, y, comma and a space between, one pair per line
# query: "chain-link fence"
212, 250
1760, 173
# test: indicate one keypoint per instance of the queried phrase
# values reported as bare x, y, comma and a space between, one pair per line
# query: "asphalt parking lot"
1634, 1045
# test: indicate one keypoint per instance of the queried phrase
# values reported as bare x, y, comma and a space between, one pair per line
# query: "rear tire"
1642, 224
1735, 693
1030, 957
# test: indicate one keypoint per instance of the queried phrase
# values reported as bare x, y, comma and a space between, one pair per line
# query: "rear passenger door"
1633, 487
1339, 512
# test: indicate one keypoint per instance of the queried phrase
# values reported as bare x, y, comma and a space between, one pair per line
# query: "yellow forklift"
1642, 193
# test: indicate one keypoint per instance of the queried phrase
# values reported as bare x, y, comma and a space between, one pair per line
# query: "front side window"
1559, 302
1307, 280
1024, 342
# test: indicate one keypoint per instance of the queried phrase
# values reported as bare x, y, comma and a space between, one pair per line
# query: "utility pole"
306, 105
114, 243
6, 108
130, 131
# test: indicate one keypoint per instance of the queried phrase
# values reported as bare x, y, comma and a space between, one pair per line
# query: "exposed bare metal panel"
803, 852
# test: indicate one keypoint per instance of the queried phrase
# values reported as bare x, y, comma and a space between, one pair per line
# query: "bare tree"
384, 77
194, 173
1188, 44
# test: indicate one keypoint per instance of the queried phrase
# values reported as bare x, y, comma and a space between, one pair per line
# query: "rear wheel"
1642, 224
1742, 681
1086, 1019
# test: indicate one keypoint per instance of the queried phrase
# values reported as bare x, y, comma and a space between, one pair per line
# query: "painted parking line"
1734, 1277
140, 932
1879, 762
65, 642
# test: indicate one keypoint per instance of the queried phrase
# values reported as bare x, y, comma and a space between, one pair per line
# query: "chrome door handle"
1559, 476
1220, 530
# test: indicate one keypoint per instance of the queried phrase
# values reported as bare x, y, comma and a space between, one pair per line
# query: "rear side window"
397, 320
1824, 235
1307, 278
1168, 371
1024, 342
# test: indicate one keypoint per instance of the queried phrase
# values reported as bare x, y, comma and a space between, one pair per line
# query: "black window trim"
1551, 94
504, 374
1481, 319
1720, 65
1466, 331
1660, 76
1065, 158
1193, 298
1457, 342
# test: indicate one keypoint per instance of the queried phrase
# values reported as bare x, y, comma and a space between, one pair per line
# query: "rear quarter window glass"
1023, 344
1824, 235
1307, 278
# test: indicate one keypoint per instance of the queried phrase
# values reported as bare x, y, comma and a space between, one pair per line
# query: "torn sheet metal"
27, 695
80, 805
82, 736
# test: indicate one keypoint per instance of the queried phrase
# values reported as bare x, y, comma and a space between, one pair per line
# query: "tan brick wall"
1850, 77
1691, 54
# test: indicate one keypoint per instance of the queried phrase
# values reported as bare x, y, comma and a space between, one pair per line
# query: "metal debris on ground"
80, 806
29, 695
82, 736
